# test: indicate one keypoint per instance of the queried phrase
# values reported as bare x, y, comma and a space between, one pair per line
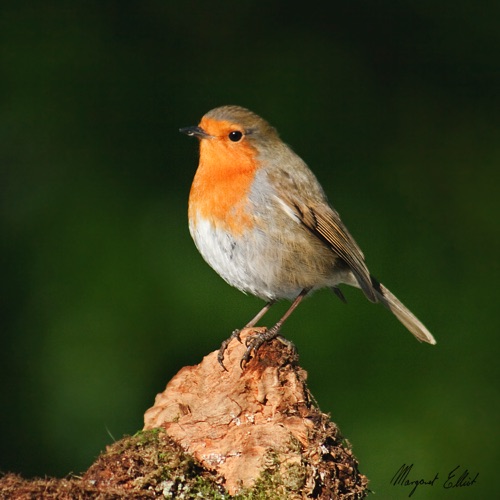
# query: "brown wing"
325, 223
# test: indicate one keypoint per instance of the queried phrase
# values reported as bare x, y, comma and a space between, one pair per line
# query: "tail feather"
404, 315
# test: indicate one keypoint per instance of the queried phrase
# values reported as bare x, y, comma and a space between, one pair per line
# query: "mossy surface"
151, 465
146, 465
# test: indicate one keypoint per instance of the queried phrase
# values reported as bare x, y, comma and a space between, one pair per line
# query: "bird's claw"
254, 342
236, 335
220, 356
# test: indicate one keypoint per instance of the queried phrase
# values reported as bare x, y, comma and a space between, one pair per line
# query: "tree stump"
242, 433
257, 427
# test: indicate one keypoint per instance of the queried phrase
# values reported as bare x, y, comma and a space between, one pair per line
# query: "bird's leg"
338, 292
236, 333
254, 342
260, 314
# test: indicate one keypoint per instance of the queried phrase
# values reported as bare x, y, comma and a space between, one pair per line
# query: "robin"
260, 218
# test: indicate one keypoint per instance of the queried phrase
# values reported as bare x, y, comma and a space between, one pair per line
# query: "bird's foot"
223, 346
255, 341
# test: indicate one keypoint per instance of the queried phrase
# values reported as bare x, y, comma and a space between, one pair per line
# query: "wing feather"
325, 223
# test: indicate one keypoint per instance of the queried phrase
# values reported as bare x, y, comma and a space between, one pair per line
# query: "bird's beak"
195, 132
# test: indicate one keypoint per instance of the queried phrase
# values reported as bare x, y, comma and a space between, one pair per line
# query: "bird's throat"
221, 186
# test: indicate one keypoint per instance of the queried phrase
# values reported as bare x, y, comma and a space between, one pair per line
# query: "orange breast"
220, 188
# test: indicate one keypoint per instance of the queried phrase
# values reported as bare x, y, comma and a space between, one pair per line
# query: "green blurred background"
104, 297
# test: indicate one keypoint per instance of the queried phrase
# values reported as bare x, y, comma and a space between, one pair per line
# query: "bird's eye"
235, 135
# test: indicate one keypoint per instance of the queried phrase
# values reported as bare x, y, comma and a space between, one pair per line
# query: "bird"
260, 218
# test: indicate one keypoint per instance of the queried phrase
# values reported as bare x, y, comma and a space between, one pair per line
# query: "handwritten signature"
456, 478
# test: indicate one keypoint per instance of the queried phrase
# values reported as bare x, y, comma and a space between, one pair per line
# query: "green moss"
277, 480
151, 462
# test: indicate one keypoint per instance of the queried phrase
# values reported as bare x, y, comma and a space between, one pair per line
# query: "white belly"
243, 263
